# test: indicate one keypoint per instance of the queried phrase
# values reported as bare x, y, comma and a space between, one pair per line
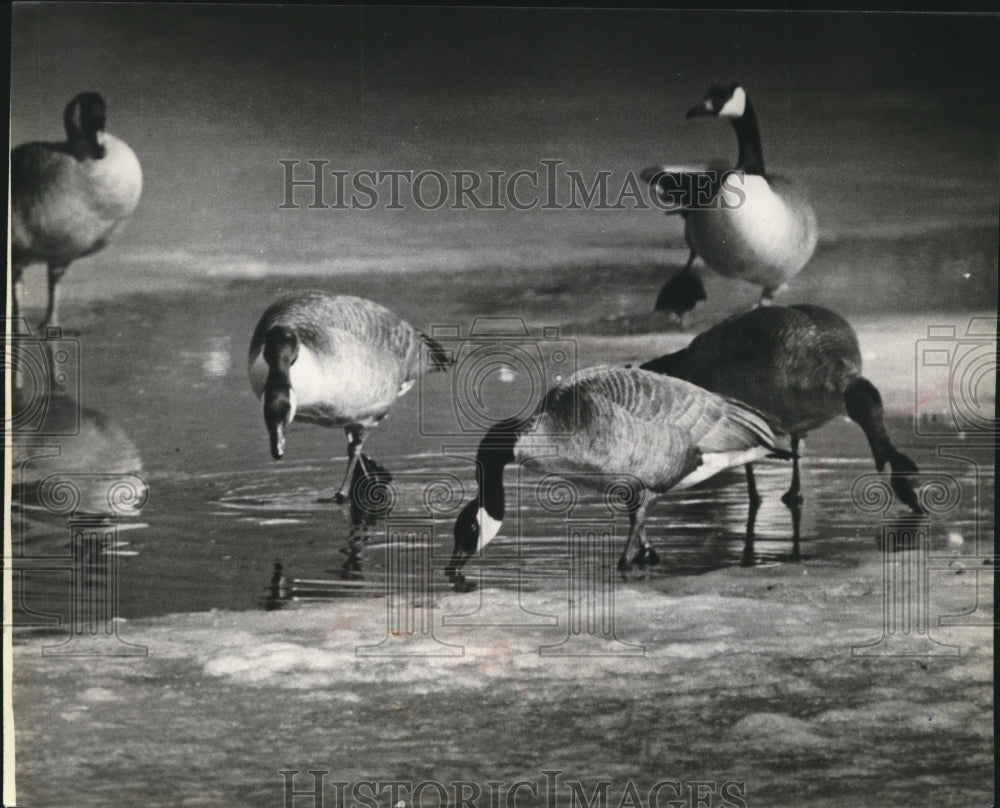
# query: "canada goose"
748, 224
336, 361
606, 424
802, 366
70, 199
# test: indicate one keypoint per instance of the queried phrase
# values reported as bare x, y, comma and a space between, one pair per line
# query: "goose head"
84, 120
729, 101
281, 349
480, 520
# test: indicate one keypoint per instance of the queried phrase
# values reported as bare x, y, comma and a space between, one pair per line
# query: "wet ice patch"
697, 650
778, 730
98, 694
269, 660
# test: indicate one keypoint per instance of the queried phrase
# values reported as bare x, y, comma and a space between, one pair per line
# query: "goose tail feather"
440, 358
756, 425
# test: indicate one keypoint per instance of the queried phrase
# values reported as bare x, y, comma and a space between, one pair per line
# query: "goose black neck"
83, 119
84, 146
671, 364
281, 347
278, 381
751, 157
495, 451
491, 490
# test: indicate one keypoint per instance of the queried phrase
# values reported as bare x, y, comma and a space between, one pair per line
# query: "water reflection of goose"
622, 427
802, 366
369, 502
755, 226
335, 361
70, 199
84, 445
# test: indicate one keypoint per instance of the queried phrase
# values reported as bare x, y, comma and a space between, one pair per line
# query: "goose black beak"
701, 109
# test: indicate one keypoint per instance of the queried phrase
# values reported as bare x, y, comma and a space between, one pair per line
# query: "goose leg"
793, 496
752, 487
748, 559
16, 292
355, 442
796, 526
17, 289
636, 519
691, 258
767, 295
52, 309
646, 556
682, 291
352, 566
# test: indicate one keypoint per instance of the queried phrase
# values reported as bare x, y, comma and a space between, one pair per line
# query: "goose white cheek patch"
735, 106
488, 528
292, 406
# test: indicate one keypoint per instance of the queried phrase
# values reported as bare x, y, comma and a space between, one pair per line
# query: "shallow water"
166, 405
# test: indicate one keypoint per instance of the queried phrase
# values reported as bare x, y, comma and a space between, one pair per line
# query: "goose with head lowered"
69, 199
744, 222
604, 425
801, 365
336, 361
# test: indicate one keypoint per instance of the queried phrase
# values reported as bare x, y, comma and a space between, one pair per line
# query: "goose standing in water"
751, 224
606, 424
336, 361
802, 366
70, 199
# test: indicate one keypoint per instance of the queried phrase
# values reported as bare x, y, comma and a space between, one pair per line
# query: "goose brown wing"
323, 322
714, 423
596, 436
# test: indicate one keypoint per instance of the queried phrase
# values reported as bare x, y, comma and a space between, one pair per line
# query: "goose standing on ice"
70, 199
336, 361
605, 424
802, 366
751, 225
